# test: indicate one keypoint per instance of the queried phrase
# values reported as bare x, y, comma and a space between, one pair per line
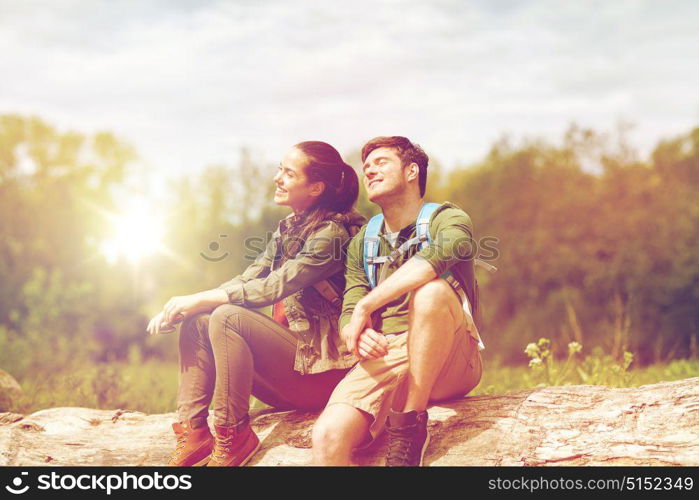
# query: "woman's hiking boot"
234, 445
194, 444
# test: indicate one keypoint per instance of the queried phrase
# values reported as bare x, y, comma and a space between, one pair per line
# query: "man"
413, 332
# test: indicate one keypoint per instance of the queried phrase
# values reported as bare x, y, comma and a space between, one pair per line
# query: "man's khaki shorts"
374, 386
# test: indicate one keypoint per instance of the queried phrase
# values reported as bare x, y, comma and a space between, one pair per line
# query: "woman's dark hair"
324, 164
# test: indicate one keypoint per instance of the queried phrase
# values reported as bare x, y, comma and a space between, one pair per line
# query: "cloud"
188, 83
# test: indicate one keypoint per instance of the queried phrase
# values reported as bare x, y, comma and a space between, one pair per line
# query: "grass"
151, 386
498, 379
595, 368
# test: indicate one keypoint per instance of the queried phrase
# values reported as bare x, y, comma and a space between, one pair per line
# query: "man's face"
385, 175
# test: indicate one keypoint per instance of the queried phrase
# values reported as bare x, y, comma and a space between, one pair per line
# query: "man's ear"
413, 171
317, 188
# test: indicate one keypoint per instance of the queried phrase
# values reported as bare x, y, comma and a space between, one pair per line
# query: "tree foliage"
593, 245
605, 254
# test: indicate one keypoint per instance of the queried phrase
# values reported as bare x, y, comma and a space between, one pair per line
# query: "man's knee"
325, 435
434, 295
339, 429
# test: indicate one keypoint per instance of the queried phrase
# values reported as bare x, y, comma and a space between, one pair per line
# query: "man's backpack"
372, 260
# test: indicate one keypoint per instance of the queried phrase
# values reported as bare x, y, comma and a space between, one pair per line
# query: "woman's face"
293, 189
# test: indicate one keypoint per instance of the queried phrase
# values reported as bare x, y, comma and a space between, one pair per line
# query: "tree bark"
570, 425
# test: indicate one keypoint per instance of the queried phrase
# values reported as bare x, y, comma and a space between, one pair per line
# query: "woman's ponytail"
324, 164
347, 190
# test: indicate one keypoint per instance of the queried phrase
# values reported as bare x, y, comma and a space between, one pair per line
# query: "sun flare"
136, 234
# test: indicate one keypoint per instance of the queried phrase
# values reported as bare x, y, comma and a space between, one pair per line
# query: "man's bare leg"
432, 320
337, 432
434, 316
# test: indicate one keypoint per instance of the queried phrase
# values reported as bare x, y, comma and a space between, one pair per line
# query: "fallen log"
569, 425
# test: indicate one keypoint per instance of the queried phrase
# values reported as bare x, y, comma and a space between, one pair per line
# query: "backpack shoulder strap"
328, 291
326, 287
371, 248
371, 240
423, 233
422, 225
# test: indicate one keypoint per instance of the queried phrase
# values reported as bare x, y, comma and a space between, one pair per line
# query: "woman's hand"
178, 308
188, 305
183, 306
157, 324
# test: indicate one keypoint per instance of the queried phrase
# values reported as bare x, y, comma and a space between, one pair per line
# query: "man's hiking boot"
194, 444
234, 445
407, 438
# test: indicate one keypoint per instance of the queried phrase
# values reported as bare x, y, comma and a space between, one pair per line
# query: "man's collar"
407, 229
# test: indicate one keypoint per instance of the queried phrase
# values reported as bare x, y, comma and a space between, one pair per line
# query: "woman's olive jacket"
312, 316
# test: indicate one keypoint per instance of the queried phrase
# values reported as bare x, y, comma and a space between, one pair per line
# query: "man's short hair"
406, 151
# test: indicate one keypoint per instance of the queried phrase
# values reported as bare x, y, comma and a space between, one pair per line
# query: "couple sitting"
369, 325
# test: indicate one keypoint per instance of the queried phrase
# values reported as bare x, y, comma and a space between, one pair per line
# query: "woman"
292, 361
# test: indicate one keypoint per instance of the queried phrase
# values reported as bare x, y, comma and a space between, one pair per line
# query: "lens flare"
136, 234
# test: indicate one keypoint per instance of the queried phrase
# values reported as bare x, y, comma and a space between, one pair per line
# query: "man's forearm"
414, 273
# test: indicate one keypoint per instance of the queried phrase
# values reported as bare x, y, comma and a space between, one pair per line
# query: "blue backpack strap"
371, 248
371, 240
422, 230
422, 225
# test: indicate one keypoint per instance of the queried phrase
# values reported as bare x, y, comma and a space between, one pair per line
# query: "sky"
187, 83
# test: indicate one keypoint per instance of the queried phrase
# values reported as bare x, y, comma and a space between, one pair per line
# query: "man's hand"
359, 336
372, 344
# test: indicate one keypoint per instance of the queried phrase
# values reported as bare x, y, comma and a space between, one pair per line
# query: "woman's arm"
208, 300
260, 267
178, 308
322, 256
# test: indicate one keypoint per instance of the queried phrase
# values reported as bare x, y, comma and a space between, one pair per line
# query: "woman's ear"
317, 188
